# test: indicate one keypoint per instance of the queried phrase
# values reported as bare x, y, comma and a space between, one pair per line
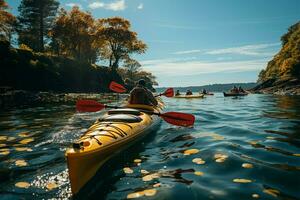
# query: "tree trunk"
41, 36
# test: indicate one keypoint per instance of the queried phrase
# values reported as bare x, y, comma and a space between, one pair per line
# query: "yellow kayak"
189, 96
115, 131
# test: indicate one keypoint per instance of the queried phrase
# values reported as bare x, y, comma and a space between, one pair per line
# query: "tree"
132, 67
35, 20
7, 21
120, 41
73, 34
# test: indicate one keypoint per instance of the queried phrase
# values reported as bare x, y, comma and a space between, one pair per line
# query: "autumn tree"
132, 67
35, 20
73, 34
7, 21
119, 41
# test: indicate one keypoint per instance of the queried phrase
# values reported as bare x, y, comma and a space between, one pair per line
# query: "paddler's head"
142, 82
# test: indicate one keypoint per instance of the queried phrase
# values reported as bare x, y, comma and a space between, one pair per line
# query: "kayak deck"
114, 132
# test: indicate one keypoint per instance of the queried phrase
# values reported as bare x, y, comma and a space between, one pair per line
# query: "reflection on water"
240, 148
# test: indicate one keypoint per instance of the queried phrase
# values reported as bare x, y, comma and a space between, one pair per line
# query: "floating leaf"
135, 195
127, 170
157, 185
190, 151
270, 138
10, 139
220, 157
4, 153
51, 186
24, 134
21, 163
255, 196
26, 141
150, 192
198, 173
240, 180
22, 184
23, 149
3, 145
271, 192
247, 165
198, 161
137, 160
150, 177
144, 171
3, 137
297, 154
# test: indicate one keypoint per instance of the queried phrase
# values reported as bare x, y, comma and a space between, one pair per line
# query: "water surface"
245, 146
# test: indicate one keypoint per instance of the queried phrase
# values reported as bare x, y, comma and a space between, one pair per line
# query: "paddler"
188, 92
141, 95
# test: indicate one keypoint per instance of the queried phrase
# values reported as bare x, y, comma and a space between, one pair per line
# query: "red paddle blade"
89, 106
116, 87
169, 92
179, 119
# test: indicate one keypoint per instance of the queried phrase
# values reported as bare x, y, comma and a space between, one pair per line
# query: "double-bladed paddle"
175, 118
116, 87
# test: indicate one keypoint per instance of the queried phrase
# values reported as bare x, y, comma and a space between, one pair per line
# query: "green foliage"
35, 21
287, 62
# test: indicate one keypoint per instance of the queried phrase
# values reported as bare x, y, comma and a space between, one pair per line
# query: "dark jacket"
141, 95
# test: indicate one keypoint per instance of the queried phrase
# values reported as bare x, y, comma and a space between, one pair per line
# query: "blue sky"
198, 42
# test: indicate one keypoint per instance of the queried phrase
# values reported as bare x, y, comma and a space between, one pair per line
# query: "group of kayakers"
188, 92
237, 89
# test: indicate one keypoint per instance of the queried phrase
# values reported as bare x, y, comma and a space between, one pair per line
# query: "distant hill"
212, 88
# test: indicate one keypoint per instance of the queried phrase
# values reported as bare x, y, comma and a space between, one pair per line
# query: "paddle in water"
175, 118
116, 87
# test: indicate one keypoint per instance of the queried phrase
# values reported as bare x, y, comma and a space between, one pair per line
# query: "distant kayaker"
204, 91
234, 89
241, 90
141, 95
177, 93
188, 92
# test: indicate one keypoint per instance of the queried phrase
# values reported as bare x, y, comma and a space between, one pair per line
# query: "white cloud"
115, 6
140, 6
191, 66
188, 52
74, 4
250, 50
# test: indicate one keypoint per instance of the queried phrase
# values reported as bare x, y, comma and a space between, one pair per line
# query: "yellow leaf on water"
135, 195
4, 153
144, 171
255, 196
198, 161
150, 192
3, 137
190, 151
157, 185
21, 163
51, 186
137, 160
150, 177
5, 149
23, 134
247, 165
22, 184
127, 170
3, 145
10, 139
23, 149
26, 141
198, 173
297, 154
240, 180
271, 192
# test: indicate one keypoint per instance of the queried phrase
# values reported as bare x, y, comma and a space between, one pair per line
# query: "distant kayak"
234, 94
189, 96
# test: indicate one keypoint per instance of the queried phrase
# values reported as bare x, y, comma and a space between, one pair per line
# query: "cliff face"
282, 73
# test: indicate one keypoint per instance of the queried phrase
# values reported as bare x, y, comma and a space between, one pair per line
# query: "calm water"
260, 131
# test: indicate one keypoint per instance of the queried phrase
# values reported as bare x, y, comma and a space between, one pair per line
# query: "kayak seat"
124, 111
121, 118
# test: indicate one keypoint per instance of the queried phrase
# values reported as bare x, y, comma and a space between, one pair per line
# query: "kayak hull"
189, 96
103, 140
234, 94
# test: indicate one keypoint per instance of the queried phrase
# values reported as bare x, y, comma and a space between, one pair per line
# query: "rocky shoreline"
17, 98
285, 86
